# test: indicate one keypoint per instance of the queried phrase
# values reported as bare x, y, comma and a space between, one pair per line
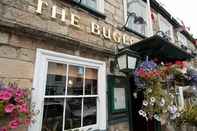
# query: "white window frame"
125, 9
43, 57
161, 18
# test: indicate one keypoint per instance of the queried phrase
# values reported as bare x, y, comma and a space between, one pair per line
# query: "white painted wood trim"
101, 6
39, 84
125, 10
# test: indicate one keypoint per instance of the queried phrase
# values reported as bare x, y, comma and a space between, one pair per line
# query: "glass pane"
91, 77
137, 21
56, 79
75, 80
92, 3
73, 113
53, 115
89, 113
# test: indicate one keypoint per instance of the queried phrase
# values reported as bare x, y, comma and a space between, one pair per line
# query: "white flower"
149, 90
172, 117
144, 114
172, 109
162, 102
152, 104
135, 95
152, 99
141, 112
164, 111
156, 117
178, 114
171, 95
145, 103
146, 118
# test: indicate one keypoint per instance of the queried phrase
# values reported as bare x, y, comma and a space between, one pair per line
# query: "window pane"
89, 3
92, 3
75, 80
89, 113
91, 77
53, 115
137, 21
73, 113
56, 79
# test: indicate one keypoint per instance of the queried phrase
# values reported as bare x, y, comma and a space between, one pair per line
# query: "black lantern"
127, 60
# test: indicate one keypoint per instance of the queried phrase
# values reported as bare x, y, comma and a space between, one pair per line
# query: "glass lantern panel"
131, 62
122, 62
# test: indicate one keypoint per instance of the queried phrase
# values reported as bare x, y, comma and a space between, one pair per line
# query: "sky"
185, 10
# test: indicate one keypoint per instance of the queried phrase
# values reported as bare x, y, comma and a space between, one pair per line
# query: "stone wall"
24, 12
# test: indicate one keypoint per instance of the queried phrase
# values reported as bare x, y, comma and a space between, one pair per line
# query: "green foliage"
189, 116
1, 109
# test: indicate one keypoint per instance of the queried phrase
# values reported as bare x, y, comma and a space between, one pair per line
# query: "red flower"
23, 108
14, 124
9, 108
5, 95
3, 129
27, 122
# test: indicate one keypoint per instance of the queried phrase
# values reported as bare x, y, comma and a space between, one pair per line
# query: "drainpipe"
149, 20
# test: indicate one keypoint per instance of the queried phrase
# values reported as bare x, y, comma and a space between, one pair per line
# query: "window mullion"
66, 90
64, 110
82, 105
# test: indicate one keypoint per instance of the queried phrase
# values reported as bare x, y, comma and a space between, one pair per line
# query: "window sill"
136, 33
92, 11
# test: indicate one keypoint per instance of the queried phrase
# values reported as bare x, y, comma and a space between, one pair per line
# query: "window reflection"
73, 113
56, 79
53, 115
137, 21
91, 81
75, 80
89, 113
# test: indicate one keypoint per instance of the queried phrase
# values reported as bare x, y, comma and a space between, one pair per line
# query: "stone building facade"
27, 26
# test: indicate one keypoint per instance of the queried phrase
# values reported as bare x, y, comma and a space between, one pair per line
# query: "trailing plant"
188, 116
158, 83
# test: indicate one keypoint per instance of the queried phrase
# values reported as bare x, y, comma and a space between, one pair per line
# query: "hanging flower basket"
158, 81
14, 107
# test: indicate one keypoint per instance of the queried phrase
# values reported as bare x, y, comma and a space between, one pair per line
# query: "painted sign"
110, 34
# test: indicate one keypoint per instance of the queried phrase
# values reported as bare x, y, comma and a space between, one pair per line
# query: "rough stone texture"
119, 127
21, 41
22, 83
8, 51
26, 54
12, 68
23, 12
4, 38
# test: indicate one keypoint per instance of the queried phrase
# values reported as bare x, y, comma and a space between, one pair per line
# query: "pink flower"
3, 129
5, 95
23, 108
19, 93
27, 122
19, 100
14, 124
9, 108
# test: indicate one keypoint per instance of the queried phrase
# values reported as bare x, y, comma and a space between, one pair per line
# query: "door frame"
39, 84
